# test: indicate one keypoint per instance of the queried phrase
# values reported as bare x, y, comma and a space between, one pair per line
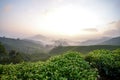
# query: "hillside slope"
82, 49
113, 41
21, 45
95, 41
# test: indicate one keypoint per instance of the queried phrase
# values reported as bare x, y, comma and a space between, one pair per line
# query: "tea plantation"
107, 62
97, 65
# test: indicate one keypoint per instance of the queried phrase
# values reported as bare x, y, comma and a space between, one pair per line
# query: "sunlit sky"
21, 18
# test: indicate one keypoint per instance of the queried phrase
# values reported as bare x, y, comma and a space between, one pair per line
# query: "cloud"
7, 8
90, 30
113, 29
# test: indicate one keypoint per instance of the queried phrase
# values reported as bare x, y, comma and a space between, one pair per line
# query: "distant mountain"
45, 40
94, 41
60, 42
38, 37
25, 46
113, 41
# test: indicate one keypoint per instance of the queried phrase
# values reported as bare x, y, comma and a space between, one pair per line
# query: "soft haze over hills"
30, 46
22, 45
85, 34
113, 41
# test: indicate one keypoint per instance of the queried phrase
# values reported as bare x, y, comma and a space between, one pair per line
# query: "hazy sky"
76, 18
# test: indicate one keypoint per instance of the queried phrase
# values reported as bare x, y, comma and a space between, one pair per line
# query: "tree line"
11, 56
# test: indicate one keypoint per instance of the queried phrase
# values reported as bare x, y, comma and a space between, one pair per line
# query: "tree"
3, 55
2, 49
15, 57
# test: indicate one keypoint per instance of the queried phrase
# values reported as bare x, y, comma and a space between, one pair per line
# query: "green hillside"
31, 51
82, 49
113, 41
97, 65
24, 46
13, 56
70, 66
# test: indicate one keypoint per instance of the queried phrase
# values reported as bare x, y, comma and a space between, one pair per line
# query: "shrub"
116, 51
69, 66
107, 63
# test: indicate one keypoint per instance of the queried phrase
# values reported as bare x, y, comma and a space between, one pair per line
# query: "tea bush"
69, 66
107, 62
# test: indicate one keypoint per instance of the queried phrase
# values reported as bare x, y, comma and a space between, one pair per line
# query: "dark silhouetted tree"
2, 49
15, 57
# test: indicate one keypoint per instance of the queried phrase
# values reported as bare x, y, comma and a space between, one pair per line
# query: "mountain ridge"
20, 45
112, 41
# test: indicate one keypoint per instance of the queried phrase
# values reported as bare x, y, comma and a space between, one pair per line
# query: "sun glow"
69, 20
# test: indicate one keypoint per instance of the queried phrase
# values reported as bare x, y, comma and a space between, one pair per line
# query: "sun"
69, 20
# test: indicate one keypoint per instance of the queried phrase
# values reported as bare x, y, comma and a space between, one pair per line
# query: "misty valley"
33, 55
59, 39
41, 48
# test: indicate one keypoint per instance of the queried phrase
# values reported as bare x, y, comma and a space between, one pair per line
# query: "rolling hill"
113, 41
25, 46
82, 49
51, 41
101, 41
89, 45
95, 41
